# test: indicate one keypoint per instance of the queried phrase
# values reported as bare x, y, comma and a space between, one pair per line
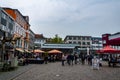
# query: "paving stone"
54, 71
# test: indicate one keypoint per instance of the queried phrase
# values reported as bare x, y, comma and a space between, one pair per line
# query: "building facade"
96, 44
21, 29
85, 42
7, 24
112, 40
39, 40
32, 40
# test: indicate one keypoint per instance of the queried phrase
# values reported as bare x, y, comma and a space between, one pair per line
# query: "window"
3, 21
79, 43
83, 43
10, 26
74, 42
70, 42
83, 38
88, 38
79, 38
70, 38
88, 43
74, 38
4, 15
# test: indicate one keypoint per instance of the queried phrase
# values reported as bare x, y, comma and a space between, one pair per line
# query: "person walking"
63, 59
46, 59
76, 57
83, 59
69, 59
89, 59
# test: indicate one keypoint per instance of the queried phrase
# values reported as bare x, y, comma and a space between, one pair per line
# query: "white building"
83, 41
86, 43
39, 40
96, 43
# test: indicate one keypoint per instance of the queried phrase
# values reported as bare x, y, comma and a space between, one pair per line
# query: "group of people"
23, 61
71, 59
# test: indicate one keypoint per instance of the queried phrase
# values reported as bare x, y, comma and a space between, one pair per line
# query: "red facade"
114, 41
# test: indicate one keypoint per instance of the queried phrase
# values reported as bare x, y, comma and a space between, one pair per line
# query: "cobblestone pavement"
12, 74
54, 71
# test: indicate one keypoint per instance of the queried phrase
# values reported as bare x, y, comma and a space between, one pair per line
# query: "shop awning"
20, 49
27, 51
38, 51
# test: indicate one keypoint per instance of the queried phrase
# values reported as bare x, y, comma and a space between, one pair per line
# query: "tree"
56, 39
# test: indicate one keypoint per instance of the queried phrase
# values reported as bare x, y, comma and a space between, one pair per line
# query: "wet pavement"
54, 71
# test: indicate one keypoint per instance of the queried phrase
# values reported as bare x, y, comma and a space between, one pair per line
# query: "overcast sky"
69, 17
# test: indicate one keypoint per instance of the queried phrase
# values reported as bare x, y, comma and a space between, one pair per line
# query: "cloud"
64, 17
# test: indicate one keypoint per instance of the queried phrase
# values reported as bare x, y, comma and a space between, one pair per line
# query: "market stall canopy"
54, 51
108, 49
38, 51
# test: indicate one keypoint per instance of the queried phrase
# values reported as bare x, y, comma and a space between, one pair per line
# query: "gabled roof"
40, 36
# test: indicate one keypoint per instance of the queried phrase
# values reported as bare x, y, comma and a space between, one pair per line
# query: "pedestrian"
71, 58
83, 59
46, 59
89, 58
63, 59
68, 59
95, 63
76, 57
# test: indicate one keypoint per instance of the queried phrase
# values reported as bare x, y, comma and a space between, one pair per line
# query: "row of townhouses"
16, 35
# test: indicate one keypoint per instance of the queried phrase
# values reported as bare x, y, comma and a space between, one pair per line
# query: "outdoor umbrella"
54, 51
108, 49
38, 51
